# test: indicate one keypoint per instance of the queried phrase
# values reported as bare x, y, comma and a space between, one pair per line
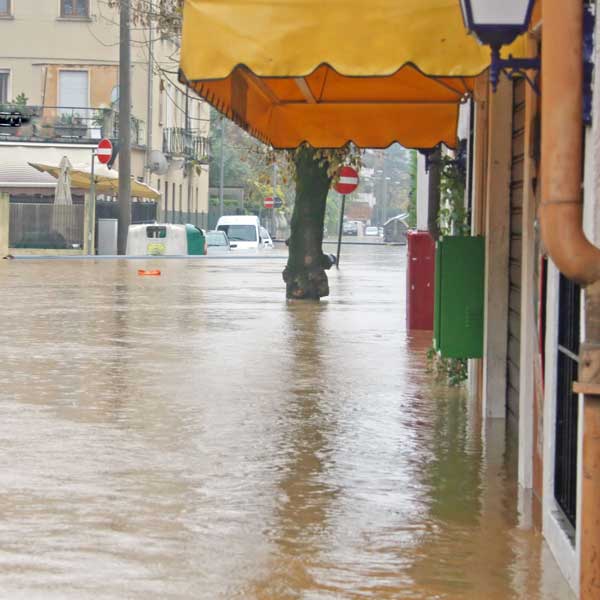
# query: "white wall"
422, 194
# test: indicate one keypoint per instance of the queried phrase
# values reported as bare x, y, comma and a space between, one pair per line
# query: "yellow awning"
106, 180
332, 71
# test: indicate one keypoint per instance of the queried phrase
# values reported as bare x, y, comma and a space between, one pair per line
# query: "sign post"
92, 208
347, 182
104, 152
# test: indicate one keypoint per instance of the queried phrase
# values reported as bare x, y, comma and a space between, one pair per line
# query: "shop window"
567, 404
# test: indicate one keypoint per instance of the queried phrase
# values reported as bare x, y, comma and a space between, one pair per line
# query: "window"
239, 233
173, 205
156, 232
73, 92
567, 404
4, 8
4, 86
170, 106
74, 8
166, 201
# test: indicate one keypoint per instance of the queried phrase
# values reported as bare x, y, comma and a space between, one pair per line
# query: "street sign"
104, 151
269, 203
277, 202
347, 181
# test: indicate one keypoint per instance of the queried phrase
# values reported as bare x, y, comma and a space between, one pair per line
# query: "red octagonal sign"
347, 181
104, 151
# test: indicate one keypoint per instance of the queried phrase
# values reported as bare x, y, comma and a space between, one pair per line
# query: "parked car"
265, 236
217, 239
371, 231
243, 231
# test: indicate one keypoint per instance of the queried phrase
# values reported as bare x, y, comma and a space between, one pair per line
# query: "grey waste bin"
107, 237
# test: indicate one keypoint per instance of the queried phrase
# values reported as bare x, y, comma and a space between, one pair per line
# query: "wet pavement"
193, 436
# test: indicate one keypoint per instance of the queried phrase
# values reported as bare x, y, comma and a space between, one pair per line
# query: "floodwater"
192, 436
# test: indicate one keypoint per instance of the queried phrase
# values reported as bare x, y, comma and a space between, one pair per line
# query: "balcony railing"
62, 124
187, 143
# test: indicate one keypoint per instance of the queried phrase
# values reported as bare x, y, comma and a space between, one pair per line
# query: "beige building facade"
59, 60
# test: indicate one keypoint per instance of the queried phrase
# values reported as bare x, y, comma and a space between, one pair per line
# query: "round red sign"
347, 180
104, 151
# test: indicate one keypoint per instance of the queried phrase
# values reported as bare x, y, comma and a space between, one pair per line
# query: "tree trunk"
304, 274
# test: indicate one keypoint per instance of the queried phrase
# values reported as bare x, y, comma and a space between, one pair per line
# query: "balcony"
64, 125
186, 143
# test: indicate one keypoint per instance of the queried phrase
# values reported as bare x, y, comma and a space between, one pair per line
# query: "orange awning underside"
333, 72
328, 110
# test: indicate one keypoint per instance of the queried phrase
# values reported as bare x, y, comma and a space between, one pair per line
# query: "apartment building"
59, 63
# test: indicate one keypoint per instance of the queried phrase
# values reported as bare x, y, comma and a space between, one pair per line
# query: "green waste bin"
459, 297
196, 242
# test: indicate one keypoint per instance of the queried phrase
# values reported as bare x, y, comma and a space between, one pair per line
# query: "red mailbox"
420, 280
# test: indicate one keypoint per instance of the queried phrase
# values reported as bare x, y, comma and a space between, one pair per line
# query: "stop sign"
104, 151
347, 180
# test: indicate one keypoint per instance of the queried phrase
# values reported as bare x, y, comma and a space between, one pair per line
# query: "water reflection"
194, 436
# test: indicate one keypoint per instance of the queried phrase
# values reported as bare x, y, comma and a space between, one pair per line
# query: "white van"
243, 231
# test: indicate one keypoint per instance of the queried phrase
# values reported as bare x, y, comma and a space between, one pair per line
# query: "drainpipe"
561, 207
562, 232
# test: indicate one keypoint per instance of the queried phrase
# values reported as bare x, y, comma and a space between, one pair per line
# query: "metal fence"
141, 212
178, 141
67, 124
46, 226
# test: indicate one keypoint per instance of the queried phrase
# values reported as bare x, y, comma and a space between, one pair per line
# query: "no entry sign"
269, 203
347, 181
104, 151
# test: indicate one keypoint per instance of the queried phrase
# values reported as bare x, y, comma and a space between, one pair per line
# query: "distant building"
60, 61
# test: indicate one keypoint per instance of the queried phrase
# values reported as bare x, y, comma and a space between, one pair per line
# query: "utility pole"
150, 100
124, 127
222, 169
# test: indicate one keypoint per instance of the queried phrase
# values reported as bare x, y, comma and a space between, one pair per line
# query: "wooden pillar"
497, 230
589, 384
528, 350
4, 224
478, 206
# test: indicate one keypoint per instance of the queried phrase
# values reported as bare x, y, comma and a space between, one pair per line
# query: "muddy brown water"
192, 436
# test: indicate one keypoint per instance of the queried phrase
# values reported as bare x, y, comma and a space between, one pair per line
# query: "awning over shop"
330, 72
106, 180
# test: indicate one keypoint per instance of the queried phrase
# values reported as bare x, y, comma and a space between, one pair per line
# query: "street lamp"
498, 24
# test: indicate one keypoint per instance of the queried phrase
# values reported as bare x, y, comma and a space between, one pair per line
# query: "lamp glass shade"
497, 22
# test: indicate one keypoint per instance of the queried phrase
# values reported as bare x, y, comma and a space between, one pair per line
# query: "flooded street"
193, 436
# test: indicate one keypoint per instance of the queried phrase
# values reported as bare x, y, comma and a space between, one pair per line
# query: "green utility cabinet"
459, 296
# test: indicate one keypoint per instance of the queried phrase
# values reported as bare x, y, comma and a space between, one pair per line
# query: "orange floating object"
152, 273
